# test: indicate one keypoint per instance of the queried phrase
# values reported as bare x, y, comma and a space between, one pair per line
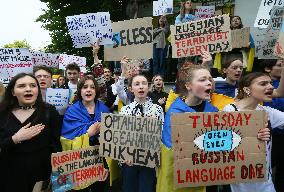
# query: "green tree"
53, 20
18, 44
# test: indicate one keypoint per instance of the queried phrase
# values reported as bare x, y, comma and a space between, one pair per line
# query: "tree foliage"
18, 44
53, 20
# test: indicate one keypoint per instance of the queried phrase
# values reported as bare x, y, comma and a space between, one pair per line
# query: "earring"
248, 93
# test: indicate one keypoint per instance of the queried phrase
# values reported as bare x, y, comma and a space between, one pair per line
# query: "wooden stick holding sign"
76, 168
218, 148
212, 35
131, 138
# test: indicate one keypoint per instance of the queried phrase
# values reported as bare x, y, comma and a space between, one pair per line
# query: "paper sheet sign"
212, 35
14, 61
240, 37
276, 17
265, 41
76, 168
203, 12
162, 7
64, 60
132, 38
131, 138
59, 98
279, 47
48, 59
218, 148
85, 29
263, 15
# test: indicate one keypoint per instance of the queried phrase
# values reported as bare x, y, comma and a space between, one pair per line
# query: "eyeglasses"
44, 76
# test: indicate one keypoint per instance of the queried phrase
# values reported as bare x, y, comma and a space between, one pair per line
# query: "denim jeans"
159, 59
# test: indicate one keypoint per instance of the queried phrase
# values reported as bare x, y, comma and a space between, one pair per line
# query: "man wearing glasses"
44, 77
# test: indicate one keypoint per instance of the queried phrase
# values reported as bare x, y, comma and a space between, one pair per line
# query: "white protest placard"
263, 16
203, 12
59, 98
65, 59
48, 59
85, 29
162, 7
132, 138
14, 61
132, 38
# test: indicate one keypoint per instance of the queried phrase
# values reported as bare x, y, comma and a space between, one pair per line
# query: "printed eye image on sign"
218, 148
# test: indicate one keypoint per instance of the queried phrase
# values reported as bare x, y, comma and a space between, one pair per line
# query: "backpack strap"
235, 107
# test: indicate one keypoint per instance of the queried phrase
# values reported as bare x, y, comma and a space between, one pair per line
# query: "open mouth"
269, 93
208, 91
88, 94
141, 92
42, 83
28, 96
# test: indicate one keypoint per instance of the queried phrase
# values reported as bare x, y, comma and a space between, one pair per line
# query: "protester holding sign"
160, 35
273, 68
139, 178
44, 77
81, 123
186, 13
29, 133
254, 89
195, 84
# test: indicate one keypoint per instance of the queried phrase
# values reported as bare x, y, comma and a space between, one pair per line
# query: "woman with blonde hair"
186, 13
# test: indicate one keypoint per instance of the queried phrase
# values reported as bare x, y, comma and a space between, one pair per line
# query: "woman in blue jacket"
194, 85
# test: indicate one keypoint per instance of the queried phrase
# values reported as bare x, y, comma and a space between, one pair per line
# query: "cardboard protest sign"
203, 12
276, 17
85, 29
162, 7
279, 46
59, 98
132, 38
263, 15
131, 138
48, 59
265, 41
76, 168
65, 59
218, 148
14, 61
212, 35
240, 37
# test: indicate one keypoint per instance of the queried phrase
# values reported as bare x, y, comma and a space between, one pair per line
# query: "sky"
17, 20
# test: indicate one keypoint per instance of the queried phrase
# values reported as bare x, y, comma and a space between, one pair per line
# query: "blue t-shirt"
226, 89
187, 18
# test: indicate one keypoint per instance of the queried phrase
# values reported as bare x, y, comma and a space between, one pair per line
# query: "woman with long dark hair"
29, 133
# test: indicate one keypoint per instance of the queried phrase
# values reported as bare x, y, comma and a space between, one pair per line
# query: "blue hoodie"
179, 106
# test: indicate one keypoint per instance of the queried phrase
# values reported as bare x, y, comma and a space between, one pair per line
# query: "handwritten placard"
263, 15
162, 7
48, 59
211, 35
132, 38
265, 41
276, 17
279, 47
240, 37
58, 98
14, 61
218, 148
85, 29
203, 12
131, 138
76, 168
65, 59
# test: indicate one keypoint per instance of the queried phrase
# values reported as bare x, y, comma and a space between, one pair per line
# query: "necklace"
26, 107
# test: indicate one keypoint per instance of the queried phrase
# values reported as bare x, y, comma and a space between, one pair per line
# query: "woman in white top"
138, 178
254, 89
